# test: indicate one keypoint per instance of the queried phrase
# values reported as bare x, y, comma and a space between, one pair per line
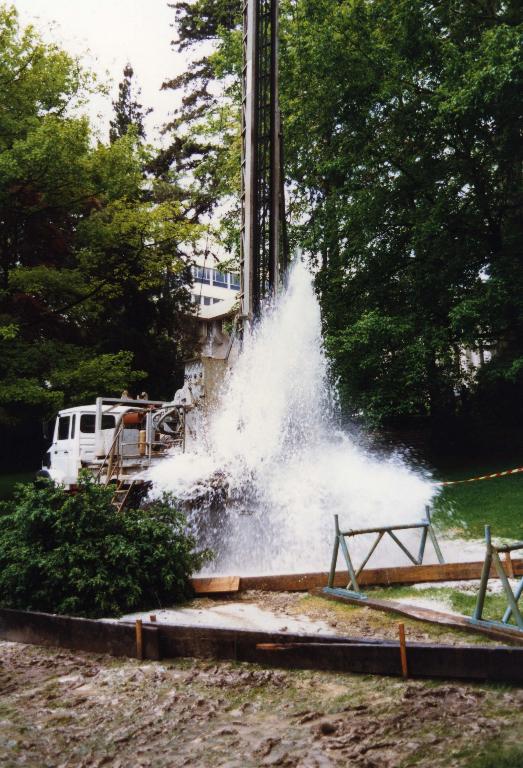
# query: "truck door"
63, 459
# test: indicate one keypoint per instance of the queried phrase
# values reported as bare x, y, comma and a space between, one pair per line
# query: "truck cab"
115, 439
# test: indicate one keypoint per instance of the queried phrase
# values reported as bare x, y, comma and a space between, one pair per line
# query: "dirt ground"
75, 710
351, 620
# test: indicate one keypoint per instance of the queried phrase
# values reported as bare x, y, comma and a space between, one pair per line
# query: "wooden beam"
453, 621
303, 582
344, 654
509, 567
215, 584
425, 661
290, 651
111, 637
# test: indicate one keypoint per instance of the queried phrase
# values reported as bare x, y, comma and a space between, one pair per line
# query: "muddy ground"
353, 621
75, 710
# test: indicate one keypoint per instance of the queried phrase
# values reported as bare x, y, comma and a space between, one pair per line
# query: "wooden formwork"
304, 582
342, 654
291, 651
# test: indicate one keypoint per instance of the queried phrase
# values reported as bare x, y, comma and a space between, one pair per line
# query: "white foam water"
262, 484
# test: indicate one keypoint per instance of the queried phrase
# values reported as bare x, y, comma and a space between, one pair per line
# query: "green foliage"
8, 483
402, 128
390, 365
127, 111
101, 373
92, 256
74, 554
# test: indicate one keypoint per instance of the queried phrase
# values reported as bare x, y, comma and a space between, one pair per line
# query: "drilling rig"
263, 234
118, 439
263, 246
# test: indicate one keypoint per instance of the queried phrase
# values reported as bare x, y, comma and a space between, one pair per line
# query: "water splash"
262, 487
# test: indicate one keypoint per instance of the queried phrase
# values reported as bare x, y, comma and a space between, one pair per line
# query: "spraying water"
262, 487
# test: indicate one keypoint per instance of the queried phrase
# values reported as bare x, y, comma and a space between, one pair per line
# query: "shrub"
74, 554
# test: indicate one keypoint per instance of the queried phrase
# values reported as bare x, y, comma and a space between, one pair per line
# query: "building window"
202, 275
216, 301
220, 278
235, 282
206, 300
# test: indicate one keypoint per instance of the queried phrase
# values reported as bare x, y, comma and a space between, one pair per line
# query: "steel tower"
262, 199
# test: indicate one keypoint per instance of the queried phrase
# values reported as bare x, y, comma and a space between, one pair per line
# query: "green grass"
8, 482
465, 509
460, 602
378, 621
498, 756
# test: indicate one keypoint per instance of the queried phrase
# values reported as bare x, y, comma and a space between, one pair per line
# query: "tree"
81, 233
127, 111
402, 125
201, 162
403, 145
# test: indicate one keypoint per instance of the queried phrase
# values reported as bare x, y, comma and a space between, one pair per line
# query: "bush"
74, 554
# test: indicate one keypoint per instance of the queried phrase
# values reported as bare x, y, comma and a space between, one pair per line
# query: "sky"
107, 34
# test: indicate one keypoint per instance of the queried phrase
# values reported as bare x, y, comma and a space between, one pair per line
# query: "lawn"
464, 510
460, 600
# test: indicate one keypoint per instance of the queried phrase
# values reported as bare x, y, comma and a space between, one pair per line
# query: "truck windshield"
87, 422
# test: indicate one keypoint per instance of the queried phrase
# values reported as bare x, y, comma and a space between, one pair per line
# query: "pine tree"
127, 110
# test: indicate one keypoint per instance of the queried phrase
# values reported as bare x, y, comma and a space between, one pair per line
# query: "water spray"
271, 464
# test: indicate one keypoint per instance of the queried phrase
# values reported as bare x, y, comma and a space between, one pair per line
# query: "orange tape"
482, 477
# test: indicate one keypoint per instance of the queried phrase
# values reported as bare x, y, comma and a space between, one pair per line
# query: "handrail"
106, 459
492, 559
113, 461
339, 542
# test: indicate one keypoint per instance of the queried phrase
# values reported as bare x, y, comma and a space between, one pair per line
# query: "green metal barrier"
492, 558
353, 589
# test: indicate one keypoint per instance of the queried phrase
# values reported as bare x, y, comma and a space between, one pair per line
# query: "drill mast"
262, 205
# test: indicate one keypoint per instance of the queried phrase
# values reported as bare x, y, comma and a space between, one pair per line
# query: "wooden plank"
470, 662
113, 638
345, 654
450, 620
232, 644
300, 651
303, 582
413, 574
211, 585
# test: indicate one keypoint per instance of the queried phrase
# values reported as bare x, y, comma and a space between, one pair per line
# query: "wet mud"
65, 709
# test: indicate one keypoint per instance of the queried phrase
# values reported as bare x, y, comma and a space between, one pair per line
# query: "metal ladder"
121, 495
113, 462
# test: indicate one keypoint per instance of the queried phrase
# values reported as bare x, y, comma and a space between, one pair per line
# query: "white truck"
116, 440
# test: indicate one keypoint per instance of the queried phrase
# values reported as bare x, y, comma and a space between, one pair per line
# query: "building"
214, 292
